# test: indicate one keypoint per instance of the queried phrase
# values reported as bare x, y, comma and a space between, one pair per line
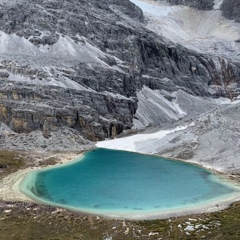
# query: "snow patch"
115, 95
135, 142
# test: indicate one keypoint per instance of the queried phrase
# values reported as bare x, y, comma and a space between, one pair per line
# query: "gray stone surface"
198, 4
79, 65
213, 140
231, 9
64, 139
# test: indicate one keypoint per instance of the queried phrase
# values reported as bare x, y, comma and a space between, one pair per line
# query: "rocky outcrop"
48, 109
42, 22
198, 4
79, 64
231, 9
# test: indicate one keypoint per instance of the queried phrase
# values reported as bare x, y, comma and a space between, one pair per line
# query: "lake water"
106, 180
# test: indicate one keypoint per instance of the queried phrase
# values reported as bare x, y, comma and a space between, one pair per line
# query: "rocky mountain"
199, 4
230, 8
210, 139
75, 69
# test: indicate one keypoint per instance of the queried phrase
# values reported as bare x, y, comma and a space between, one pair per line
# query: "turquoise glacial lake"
118, 181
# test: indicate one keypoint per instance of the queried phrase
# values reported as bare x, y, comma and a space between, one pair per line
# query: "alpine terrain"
73, 72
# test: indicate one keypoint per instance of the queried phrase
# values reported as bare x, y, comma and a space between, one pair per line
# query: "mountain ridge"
84, 63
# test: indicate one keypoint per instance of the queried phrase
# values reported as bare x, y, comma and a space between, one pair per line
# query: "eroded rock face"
79, 64
198, 4
54, 17
231, 9
48, 109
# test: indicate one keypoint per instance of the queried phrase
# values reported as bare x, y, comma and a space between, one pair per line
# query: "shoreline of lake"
9, 185
216, 205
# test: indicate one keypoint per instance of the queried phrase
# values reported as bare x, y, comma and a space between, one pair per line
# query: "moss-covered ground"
10, 162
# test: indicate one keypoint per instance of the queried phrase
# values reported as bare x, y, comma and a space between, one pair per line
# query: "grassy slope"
10, 162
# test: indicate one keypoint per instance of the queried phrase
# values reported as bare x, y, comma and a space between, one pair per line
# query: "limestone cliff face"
79, 64
28, 109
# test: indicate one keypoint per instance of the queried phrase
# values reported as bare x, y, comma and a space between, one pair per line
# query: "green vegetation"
31, 221
219, 225
48, 162
10, 162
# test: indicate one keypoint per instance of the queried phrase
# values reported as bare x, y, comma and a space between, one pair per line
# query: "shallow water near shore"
121, 182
